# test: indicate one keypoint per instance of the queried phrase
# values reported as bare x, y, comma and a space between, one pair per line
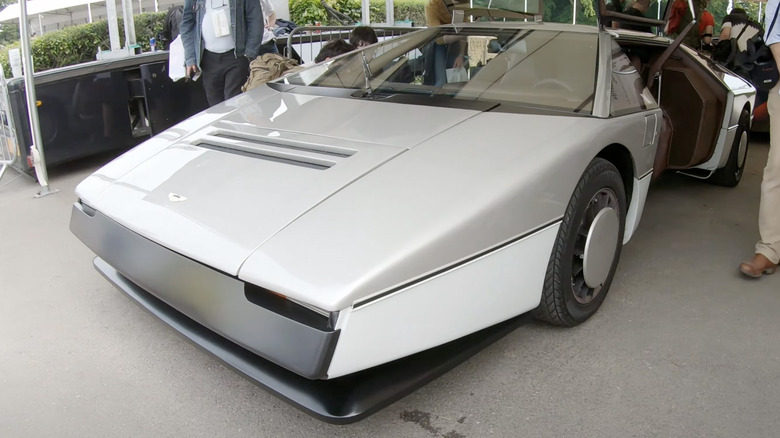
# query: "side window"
628, 91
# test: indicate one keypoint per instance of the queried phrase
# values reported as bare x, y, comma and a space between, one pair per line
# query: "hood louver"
311, 155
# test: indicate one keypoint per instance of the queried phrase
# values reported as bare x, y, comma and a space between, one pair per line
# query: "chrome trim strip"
455, 265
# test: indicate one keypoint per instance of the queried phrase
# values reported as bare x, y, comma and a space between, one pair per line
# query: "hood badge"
174, 197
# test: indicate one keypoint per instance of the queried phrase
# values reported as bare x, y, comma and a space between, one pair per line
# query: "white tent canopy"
11, 12
49, 15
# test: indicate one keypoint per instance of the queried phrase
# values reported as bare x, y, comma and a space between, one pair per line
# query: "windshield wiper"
367, 73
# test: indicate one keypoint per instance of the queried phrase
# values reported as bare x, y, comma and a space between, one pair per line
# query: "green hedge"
78, 44
307, 12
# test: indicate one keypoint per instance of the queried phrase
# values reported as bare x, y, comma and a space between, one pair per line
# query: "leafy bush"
413, 10
78, 44
304, 12
307, 12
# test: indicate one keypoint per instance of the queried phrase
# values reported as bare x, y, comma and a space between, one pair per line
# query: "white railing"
9, 147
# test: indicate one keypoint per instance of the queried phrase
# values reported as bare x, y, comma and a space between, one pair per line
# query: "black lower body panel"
340, 401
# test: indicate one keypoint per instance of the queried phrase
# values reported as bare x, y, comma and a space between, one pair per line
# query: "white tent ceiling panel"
57, 14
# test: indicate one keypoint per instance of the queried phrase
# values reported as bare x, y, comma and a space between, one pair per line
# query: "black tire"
597, 208
730, 174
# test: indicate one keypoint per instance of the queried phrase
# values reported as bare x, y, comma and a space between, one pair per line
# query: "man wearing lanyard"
219, 37
767, 253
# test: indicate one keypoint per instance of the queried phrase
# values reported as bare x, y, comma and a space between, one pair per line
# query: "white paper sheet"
176, 69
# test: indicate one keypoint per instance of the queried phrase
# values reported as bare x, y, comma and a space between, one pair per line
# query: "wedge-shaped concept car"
355, 215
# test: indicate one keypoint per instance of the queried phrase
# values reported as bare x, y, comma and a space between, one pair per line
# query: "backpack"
755, 64
760, 64
763, 71
171, 25
268, 67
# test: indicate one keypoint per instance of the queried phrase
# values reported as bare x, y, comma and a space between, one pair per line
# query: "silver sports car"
354, 229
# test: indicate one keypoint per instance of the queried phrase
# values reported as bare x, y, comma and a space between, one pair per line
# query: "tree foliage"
308, 12
9, 32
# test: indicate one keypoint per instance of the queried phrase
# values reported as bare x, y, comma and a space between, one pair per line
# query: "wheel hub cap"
600, 247
743, 142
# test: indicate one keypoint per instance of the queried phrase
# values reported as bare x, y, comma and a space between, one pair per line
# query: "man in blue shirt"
219, 38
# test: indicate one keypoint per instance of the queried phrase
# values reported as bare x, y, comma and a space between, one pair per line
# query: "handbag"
763, 73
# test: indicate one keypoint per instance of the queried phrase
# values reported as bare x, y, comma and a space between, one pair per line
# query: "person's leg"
440, 64
236, 74
767, 251
769, 209
213, 77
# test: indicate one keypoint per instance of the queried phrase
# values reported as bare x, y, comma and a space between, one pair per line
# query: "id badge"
221, 22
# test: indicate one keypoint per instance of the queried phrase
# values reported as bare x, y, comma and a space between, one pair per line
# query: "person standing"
269, 21
706, 27
219, 38
678, 18
638, 9
613, 6
767, 251
362, 36
447, 52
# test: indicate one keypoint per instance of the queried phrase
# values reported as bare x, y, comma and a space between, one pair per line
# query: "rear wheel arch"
621, 158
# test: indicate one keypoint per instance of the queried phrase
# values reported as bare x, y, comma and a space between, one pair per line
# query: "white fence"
9, 148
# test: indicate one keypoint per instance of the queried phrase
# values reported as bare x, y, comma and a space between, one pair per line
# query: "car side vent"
312, 155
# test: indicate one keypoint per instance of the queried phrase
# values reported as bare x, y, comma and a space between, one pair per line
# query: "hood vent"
312, 155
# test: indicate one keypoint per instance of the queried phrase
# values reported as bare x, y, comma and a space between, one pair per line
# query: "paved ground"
683, 347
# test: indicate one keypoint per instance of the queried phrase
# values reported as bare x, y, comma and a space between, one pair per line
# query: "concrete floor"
682, 347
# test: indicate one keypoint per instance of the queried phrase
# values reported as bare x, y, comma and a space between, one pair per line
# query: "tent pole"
113, 29
366, 13
389, 13
36, 149
127, 15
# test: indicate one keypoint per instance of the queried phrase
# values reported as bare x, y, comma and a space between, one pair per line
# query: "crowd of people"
220, 37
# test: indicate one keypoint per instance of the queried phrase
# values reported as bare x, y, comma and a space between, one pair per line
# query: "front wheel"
731, 174
587, 248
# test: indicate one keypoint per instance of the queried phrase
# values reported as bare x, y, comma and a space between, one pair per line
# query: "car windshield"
526, 66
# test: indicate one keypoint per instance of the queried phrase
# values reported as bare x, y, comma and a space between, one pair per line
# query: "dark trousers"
223, 75
269, 47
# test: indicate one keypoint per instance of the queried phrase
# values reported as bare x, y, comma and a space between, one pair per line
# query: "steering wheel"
547, 82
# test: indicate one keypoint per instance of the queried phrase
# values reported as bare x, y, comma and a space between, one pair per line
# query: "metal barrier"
305, 42
9, 147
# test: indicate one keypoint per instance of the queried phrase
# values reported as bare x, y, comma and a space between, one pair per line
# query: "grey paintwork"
415, 189
447, 184
332, 200
210, 298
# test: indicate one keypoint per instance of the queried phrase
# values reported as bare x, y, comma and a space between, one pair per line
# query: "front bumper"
340, 401
208, 297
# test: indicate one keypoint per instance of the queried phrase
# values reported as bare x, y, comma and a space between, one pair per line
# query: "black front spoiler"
340, 401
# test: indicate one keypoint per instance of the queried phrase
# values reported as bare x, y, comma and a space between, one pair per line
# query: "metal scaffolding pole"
365, 13
36, 150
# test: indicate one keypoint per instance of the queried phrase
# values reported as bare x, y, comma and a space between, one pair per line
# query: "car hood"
217, 186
